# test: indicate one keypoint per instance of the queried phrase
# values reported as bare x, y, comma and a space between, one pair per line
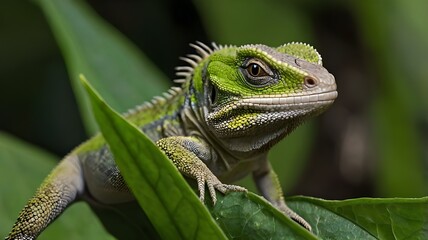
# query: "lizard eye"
256, 70
257, 73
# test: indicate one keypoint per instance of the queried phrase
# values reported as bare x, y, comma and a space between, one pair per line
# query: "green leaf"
90, 46
248, 216
365, 218
23, 168
170, 204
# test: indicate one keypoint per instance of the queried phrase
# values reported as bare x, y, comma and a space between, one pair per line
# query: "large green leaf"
89, 45
170, 204
23, 168
393, 218
248, 216
241, 216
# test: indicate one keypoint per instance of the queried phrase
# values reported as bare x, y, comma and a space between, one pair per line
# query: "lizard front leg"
185, 153
268, 184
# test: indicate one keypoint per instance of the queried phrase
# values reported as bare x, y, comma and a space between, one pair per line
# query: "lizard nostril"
310, 82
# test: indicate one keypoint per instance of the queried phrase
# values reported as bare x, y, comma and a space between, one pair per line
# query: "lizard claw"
213, 183
294, 216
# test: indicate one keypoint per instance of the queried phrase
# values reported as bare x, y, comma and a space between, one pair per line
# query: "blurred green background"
372, 142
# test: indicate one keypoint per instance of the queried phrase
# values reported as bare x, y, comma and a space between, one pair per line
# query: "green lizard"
233, 105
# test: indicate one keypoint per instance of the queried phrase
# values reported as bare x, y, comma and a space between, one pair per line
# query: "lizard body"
234, 104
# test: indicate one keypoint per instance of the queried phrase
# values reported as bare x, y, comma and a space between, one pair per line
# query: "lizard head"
254, 95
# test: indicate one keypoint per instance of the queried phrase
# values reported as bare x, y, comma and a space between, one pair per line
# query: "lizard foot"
213, 183
295, 217
302, 222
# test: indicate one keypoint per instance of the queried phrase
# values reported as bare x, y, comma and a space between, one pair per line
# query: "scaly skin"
234, 104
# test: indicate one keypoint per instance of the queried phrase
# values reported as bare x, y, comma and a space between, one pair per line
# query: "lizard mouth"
281, 102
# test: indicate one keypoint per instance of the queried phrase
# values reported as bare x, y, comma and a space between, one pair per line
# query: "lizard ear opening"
213, 95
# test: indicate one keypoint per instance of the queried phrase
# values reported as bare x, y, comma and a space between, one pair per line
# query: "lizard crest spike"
179, 80
190, 61
208, 49
203, 52
233, 105
194, 57
215, 46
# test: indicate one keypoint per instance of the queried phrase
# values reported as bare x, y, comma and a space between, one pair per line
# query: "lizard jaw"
276, 103
279, 102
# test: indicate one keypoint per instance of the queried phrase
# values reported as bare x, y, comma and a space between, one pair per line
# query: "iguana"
233, 105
